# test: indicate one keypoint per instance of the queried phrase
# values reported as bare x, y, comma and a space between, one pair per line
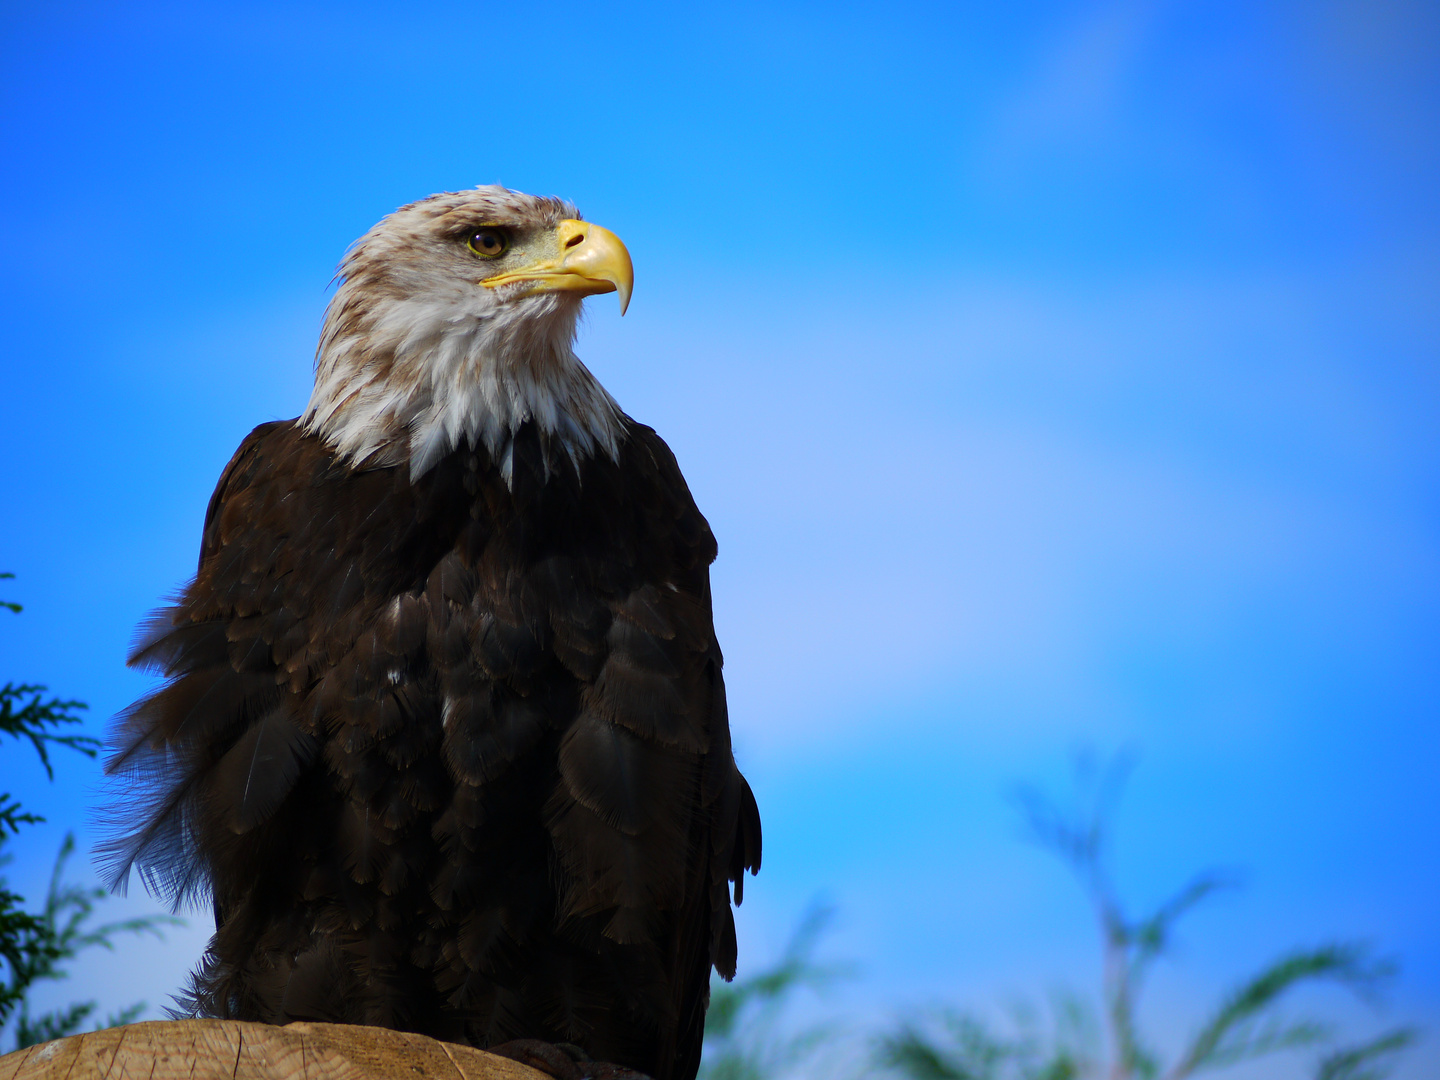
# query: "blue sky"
1051, 374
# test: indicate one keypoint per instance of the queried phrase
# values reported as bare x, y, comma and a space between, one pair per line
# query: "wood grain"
233, 1050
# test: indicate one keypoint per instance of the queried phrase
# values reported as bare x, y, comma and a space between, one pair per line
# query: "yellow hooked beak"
591, 261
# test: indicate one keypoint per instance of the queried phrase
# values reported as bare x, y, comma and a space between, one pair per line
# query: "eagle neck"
418, 379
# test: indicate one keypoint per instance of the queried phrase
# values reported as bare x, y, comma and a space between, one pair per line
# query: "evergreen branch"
31, 1031
1252, 1039
794, 969
32, 719
1244, 1027
741, 1041
36, 945
1151, 936
974, 1052
1363, 1062
970, 1050
919, 1057
42, 942
128, 1015
1228, 1038
10, 816
9, 604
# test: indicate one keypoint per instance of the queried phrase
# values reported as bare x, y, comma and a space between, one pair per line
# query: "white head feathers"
416, 358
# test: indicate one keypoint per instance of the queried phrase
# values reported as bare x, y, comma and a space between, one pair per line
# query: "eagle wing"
449, 755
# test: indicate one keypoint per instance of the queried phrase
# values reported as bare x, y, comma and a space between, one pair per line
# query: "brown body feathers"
449, 754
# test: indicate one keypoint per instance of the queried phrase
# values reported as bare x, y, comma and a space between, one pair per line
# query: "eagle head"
454, 324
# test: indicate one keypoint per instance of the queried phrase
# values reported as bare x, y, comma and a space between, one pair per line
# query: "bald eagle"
443, 735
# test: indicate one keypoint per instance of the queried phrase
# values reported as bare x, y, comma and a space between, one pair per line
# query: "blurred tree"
1245, 1026
34, 945
744, 1036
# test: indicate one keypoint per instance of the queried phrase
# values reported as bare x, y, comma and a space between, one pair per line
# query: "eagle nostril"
576, 239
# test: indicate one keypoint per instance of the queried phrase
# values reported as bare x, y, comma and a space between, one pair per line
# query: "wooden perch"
232, 1050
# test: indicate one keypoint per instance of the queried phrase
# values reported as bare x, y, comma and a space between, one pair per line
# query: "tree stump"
233, 1050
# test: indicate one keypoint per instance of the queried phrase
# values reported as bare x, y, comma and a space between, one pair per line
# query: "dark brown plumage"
449, 753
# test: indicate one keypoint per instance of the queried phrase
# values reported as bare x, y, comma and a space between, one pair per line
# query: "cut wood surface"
232, 1050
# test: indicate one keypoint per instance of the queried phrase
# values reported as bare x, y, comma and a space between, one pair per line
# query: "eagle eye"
489, 242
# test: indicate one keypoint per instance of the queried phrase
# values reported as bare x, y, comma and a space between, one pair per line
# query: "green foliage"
948, 1044
35, 720
1368, 1061
1245, 1026
34, 945
743, 1035
48, 938
955, 1046
24, 714
9, 605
